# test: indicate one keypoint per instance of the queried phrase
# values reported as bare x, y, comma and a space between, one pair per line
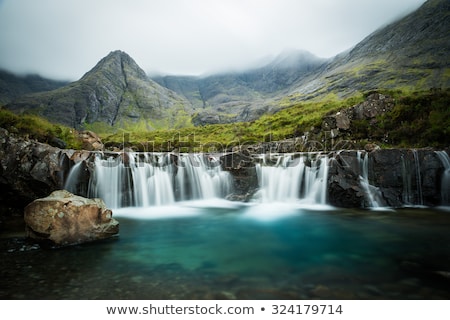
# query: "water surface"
224, 250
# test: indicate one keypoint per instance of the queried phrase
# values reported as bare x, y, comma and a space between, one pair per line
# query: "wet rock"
406, 176
65, 219
242, 167
344, 188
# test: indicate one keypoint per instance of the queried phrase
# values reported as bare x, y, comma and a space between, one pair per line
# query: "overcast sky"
63, 39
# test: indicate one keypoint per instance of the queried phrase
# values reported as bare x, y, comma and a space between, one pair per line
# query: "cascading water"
200, 177
74, 179
412, 180
445, 180
372, 193
294, 177
155, 179
151, 179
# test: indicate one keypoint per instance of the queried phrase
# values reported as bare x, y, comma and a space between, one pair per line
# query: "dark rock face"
344, 189
407, 176
28, 170
401, 177
411, 51
242, 168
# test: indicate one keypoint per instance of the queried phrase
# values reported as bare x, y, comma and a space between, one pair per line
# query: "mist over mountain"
409, 54
13, 86
242, 96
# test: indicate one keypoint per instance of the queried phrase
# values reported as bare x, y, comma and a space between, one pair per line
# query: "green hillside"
418, 119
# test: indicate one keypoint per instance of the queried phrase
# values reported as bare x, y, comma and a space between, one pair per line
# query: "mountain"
116, 92
411, 53
13, 86
242, 96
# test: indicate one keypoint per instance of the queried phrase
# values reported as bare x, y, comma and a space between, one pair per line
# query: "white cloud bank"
64, 39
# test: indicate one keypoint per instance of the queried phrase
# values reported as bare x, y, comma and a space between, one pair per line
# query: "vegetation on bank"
40, 129
418, 119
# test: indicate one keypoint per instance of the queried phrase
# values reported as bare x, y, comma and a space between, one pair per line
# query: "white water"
73, 178
204, 177
445, 180
294, 177
154, 179
412, 180
372, 193
167, 180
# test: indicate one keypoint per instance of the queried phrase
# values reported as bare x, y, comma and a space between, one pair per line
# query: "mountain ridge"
245, 95
408, 54
13, 86
116, 91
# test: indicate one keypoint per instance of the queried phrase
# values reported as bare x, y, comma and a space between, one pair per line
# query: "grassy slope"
40, 129
419, 119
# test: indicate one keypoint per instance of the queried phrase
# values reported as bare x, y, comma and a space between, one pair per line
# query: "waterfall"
153, 179
293, 177
445, 180
372, 193
74, 181
412, 180
200, 177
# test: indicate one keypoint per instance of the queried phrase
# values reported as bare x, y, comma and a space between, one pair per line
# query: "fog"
64, 39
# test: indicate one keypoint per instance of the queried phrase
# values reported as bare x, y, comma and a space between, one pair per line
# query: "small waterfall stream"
293, 177
412, 180
445, 180
372, 193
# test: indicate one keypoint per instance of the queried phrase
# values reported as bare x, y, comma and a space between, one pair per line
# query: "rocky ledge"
394, 177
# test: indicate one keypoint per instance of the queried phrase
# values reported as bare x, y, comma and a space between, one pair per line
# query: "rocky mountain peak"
118, 64
116, 91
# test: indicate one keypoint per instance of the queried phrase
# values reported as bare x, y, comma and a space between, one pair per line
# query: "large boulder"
65, 219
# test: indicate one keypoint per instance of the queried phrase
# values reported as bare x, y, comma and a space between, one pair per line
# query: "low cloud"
64, 39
